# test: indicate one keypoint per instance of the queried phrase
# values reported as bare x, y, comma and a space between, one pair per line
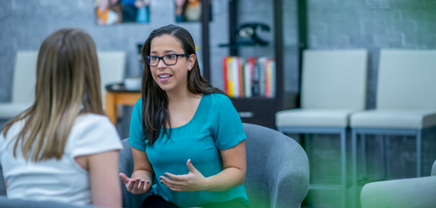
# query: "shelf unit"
258, 110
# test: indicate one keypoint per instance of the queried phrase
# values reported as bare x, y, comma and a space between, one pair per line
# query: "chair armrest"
126, 167
433, 169
413, 192
291, 173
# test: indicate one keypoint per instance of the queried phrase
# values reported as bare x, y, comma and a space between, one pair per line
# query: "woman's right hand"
135, 186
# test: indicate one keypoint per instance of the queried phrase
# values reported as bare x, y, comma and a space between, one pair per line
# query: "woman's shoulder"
92, 122
218, 97
14, 130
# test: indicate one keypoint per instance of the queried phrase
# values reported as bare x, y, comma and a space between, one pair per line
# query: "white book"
247, 80
235, 76
272, 81
262, 75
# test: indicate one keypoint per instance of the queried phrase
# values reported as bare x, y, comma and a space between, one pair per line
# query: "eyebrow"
165, 52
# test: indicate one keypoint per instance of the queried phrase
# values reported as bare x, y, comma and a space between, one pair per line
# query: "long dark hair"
154, 99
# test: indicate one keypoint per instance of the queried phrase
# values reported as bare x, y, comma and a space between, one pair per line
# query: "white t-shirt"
58, 180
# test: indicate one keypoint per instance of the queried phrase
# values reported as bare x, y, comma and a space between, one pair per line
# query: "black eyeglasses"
169, 60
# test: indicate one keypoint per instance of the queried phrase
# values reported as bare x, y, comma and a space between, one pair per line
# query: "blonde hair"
67, 84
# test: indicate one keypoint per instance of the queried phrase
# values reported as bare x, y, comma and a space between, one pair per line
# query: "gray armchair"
277, 172
402, 193
277, 169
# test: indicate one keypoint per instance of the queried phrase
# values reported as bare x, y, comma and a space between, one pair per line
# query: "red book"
226, 90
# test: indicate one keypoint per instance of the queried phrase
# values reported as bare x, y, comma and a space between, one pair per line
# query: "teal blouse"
215, 126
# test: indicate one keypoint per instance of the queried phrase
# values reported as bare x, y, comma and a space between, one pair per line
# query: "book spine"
235, 76
255, 82
230, 77
241, 77
268, 78
273, 77
225, 77
247, 79
261, 62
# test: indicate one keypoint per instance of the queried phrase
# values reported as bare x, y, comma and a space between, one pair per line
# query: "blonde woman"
63, 148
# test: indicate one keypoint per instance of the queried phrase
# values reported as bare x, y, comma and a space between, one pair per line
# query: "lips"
164, 77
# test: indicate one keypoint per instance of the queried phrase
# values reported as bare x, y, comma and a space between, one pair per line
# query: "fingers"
168, 182
130, 185
138, 186
124, 177
191, 166
141, 185
173, 185
147, 184
174, 177
175, 189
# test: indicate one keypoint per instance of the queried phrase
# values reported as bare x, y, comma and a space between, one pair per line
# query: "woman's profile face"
170, 78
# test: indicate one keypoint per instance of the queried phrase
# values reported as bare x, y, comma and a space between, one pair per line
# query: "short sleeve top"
215, 126
57, 180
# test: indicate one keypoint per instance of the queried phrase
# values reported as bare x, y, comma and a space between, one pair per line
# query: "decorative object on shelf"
132, 83
247, 35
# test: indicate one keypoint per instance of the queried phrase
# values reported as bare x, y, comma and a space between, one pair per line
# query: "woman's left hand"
193, 181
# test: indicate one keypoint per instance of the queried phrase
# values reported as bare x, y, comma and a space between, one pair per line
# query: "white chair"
405, 105
333, 87
23, 85
112, 68
401, 193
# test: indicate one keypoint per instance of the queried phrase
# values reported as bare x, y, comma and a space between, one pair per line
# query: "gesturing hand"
136, 186
193, 181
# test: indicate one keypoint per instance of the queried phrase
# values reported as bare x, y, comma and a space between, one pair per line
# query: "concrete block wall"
332, 24
372, 24
26, 23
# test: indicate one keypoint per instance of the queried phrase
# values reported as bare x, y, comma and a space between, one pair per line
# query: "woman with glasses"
184, 133
63, 148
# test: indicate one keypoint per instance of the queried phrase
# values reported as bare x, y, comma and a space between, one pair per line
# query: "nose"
161, 64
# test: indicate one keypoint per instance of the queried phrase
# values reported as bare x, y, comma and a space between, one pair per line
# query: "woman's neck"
179, 96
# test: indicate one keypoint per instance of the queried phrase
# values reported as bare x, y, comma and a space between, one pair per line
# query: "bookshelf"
258, 109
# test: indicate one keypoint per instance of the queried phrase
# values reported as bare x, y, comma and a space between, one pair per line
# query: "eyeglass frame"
147, 58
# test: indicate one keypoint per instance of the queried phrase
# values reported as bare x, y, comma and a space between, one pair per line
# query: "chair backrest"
24, 80
277, 169
406, 79
112, 68
334, 79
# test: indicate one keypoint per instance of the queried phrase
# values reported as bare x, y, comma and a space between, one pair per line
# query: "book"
247, 80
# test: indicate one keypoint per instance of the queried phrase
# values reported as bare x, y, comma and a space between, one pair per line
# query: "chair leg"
418, 153
354, 194
307, 146
344, 167
364, 163
384, 157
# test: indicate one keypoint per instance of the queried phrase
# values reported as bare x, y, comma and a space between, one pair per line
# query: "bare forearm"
142, 174
225, 180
